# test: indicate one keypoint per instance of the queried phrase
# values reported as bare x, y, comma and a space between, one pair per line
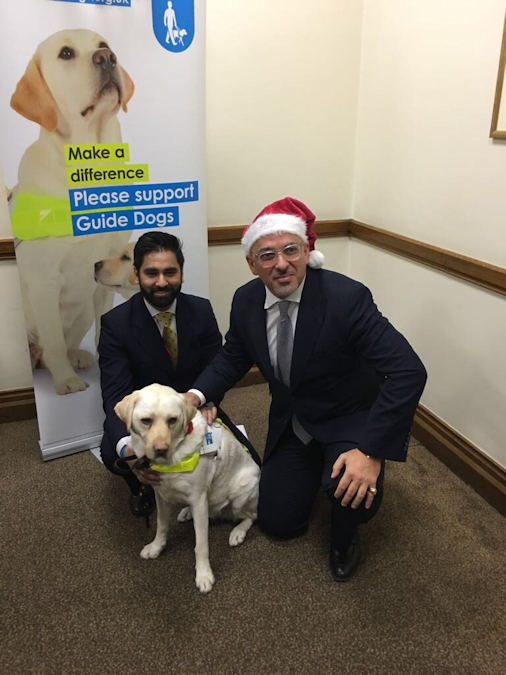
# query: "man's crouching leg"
345, 545
289, 483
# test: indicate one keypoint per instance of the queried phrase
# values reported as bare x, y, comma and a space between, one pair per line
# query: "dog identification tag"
212, 439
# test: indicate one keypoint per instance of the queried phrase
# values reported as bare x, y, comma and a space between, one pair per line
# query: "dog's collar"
187, 464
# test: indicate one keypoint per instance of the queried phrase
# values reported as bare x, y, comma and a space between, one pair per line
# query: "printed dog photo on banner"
73, 88
103, 138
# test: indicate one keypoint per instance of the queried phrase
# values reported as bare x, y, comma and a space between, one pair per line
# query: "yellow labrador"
73, 88
118, 273
168, 431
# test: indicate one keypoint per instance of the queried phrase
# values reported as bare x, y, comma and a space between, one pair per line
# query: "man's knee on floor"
275, 525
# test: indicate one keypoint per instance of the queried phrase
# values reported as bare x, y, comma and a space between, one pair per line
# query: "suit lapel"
256, 322
309, 321
183, 324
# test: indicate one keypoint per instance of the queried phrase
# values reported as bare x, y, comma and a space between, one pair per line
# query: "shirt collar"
271, 299
154, 310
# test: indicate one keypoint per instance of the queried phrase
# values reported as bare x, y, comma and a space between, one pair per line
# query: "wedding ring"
372, 490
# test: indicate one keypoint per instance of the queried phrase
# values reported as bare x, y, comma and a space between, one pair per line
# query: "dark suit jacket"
353, 377
132, 354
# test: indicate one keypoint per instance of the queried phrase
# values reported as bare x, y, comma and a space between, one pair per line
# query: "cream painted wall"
282, 82
425, 165
228, 270
15, 370
281, 99
459, 332
282, 119
426, 168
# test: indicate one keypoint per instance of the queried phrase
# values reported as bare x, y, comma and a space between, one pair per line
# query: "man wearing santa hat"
344, 382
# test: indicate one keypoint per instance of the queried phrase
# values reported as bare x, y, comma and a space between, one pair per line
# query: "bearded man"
159, 335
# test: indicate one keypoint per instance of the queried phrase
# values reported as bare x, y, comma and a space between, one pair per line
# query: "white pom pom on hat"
285, 215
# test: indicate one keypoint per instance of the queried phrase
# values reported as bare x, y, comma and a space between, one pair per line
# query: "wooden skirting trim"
7, 249
17, 404
477, 272
225, 235
462, 457
474, 271
471, 270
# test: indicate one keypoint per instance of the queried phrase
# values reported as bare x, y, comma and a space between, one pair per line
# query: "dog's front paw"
80, 358
237, 536
69, 385
152, 550
184, 515
204, 579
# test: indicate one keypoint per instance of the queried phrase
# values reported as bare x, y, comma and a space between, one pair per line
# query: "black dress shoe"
343, 565
143, 504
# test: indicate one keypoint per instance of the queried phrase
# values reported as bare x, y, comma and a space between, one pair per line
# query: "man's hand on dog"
145, 475
209, 410
360, 473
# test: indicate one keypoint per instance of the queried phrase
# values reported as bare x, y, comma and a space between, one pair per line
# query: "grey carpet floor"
429, 596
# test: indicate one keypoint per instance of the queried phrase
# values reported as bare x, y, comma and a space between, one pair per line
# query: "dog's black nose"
105, 59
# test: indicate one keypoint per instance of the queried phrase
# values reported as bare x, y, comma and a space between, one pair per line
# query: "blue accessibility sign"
174, 23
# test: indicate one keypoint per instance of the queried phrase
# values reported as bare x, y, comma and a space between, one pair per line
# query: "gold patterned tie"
169, 335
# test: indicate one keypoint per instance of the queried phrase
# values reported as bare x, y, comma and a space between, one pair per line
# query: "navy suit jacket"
353, 376
132, 354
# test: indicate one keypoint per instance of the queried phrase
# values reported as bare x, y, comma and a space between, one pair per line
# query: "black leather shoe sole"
144, 503
343, 565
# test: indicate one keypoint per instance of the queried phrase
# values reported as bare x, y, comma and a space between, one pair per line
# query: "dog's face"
73, 76
157, 418
117, 272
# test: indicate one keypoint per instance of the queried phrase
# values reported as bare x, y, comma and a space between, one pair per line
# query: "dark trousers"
290, 480
110, 458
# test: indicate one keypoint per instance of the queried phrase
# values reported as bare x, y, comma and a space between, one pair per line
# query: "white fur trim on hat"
273, 223
316, 259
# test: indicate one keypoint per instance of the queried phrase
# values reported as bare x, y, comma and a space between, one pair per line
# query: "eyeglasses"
268, 256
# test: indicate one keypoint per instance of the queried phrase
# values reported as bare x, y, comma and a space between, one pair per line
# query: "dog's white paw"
69, 385
152, 550
80, 358
184, 515
204, 580
237, 536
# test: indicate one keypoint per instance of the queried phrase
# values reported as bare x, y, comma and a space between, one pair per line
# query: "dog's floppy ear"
33, 100
189, 410
124, 409
128, 88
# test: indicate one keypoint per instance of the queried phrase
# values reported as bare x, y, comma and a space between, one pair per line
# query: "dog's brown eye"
66, 53
146, 421
171, 421
125, 257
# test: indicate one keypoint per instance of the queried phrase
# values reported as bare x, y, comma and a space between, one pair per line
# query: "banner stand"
98, 146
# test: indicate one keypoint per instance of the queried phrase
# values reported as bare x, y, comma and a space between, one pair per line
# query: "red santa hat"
285, 215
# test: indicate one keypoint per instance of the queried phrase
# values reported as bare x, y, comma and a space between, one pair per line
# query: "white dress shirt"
271, 307
154, 311
271, 320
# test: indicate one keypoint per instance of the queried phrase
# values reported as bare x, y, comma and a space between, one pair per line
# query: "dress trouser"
290, 480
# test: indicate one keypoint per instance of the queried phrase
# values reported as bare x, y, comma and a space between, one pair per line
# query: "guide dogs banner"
102, 133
